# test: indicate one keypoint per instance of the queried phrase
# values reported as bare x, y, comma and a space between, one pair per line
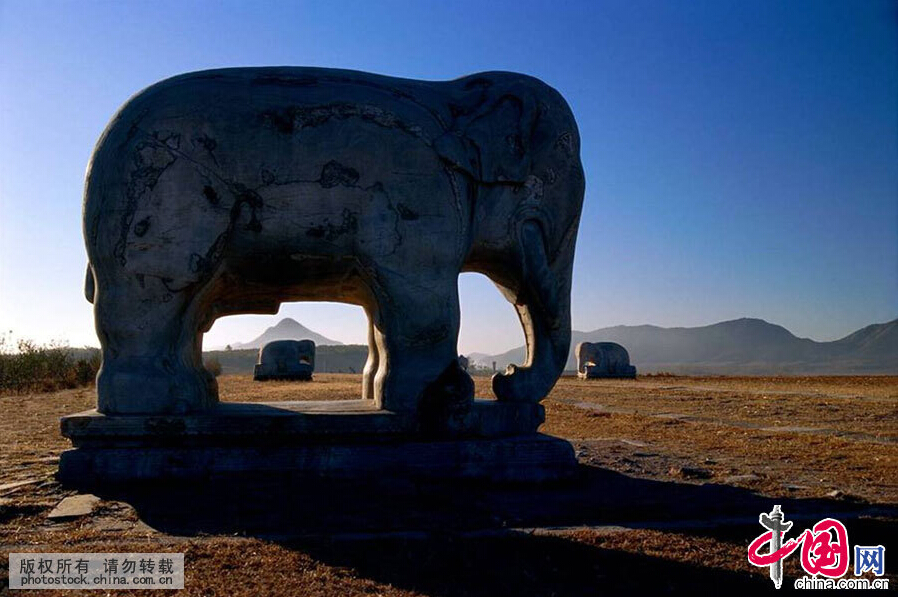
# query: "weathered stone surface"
74, 506
294, 423
603, 359
286, 359
234, 190
522, 458
337, 438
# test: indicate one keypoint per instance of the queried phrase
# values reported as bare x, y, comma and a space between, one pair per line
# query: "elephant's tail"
89, 284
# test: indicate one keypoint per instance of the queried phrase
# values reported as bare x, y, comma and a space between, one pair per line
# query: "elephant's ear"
493, 143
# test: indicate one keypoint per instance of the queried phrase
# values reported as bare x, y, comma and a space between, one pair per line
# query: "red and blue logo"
824, 550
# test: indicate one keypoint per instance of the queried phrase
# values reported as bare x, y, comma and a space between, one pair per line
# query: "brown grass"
323, 386
809, 436
783, 437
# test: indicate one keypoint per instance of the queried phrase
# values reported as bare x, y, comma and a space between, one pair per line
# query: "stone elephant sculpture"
230, 191
286, 359
603, 359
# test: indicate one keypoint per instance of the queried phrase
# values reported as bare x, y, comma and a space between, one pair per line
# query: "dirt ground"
675, 471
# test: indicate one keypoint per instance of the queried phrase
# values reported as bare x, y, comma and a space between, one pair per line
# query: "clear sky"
741, 157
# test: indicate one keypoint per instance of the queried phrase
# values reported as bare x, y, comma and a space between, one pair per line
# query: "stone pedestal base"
300, 372
346, 439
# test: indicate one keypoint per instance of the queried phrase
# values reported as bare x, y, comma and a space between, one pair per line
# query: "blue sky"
741, 157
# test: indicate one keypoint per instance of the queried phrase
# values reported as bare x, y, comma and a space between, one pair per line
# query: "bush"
43, 368
86, 368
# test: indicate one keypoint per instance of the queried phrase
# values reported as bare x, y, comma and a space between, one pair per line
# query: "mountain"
287, 329
739, 347
873, 341
477, 357
742, 346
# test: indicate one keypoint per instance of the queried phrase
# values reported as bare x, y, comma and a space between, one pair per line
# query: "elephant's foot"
446, 401
143, 385
415, 383
152, 348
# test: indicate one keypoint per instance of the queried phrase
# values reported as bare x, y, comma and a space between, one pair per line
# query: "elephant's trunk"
543, 305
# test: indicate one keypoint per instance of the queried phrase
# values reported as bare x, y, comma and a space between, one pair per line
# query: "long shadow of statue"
479, 539
278, 506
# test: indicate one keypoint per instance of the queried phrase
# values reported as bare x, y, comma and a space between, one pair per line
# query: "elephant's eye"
516, 144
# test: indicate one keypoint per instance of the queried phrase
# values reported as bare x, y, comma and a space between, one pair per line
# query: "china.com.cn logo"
824, 551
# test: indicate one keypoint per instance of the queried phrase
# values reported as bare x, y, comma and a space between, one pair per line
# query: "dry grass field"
675, 471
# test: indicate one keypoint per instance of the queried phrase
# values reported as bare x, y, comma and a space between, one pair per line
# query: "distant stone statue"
463, 362
603, 359
287, 360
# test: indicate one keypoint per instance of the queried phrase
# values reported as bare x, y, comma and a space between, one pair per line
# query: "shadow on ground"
521, 564
475, 539
282, 508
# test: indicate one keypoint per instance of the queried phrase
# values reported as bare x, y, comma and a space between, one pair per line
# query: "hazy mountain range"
742, 346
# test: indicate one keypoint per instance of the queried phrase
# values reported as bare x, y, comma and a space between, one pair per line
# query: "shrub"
86, 368
54, 366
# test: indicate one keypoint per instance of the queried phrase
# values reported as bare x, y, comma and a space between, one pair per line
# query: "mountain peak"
747, 321
287, 322
287, 329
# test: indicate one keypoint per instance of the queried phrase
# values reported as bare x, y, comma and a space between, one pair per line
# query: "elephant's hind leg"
152, 354
370, 371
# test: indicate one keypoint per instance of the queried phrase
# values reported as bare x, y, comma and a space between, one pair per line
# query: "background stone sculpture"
603, 359
231, 191
286, 359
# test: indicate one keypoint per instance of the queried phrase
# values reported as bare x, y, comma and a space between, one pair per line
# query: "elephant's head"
517, 139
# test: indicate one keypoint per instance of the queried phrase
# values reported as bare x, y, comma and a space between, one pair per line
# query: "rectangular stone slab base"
529, 458
340, 439
253, 423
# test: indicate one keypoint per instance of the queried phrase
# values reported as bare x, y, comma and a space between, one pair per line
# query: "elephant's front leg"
417, 334
152, 353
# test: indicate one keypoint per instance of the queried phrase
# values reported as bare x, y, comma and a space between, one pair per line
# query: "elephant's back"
232, 110
202, 160
230, 136
588, 349
218, 120
288, 98
614, 351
